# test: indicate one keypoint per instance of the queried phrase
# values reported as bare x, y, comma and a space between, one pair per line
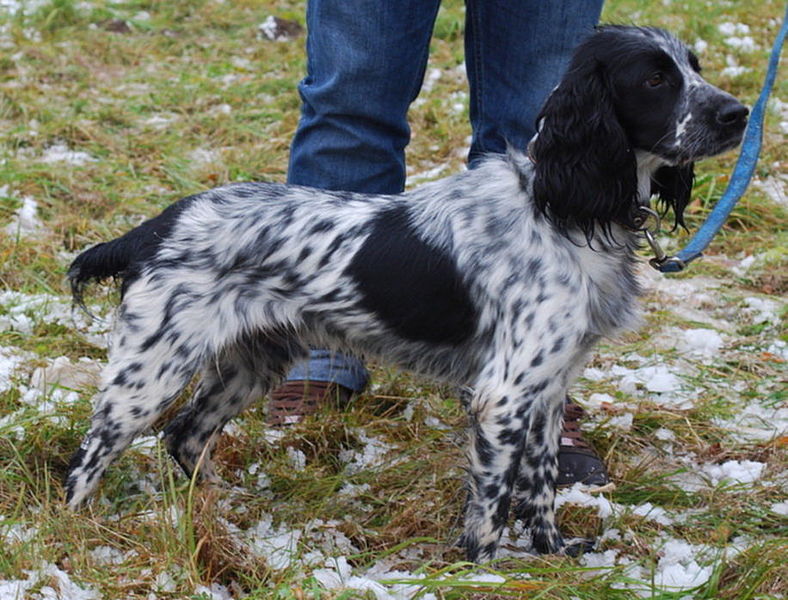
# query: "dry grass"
171, 98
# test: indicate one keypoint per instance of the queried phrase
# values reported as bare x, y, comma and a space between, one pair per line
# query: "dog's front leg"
497, 430
535, 484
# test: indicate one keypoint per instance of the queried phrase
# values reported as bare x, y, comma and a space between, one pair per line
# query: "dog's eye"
655, 80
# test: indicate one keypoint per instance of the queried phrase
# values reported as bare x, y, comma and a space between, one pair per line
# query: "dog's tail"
122, 257
108, 259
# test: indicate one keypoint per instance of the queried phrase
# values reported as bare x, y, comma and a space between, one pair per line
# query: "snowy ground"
699, 335
696, 401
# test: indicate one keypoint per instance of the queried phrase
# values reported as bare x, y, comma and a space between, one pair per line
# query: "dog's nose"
732, 113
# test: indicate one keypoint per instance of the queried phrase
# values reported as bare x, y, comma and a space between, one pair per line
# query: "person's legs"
515, 54
365, 65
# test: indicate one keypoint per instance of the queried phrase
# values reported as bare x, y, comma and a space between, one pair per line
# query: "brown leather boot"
577, 459
294, 400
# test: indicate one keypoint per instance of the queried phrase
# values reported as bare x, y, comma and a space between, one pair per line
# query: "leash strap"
740, 178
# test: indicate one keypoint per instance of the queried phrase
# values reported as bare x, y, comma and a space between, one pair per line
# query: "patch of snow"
215, 592
244, 64
435, 423
728, 28
60, 152
664, 434
701, 343
296, 458
273, 435
743, 43
780, 508
221, 109
596, 401
577, 496
594, 374
774, 187
352, 490
66, 589
755, 422
11, 359
653, 513
678, 568
16, 533
159, 121
204, 156
427, 175
778, 348
62, 372
733, 68
658, 379
341, 577
734, 471
278, 545
24, 311
165, 582
762, 310
24, 222
16, 589
22, 6
371, 455
107, 555
623, 422
596, 560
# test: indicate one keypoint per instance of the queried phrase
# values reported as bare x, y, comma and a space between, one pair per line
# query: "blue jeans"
365, 64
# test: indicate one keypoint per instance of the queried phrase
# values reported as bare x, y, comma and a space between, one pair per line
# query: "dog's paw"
546, 539
578, 546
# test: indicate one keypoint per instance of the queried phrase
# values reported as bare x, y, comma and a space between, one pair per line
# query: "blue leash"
740, 178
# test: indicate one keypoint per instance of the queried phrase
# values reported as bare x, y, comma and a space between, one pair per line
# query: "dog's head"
632, 105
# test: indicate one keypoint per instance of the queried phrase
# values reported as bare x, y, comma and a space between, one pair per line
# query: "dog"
501, 278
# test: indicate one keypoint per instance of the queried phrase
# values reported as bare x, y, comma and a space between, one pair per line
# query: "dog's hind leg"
156, 349
243, 373
131, 399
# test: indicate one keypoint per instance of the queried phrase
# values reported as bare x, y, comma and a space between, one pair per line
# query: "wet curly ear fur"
673, 185
586, 174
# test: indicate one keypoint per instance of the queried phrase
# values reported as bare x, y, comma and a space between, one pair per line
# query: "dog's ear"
585, 169
673, 185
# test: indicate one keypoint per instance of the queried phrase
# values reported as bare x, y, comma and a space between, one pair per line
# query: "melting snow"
702, 343
755, 422
732, 472
61, 589
24, 222
737, 36
774, 186
762, 310
733, 68
678, 568
62, 153
780, 508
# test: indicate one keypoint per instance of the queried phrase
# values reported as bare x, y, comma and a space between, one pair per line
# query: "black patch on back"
412, 286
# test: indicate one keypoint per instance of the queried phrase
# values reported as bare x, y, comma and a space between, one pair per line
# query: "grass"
169, 98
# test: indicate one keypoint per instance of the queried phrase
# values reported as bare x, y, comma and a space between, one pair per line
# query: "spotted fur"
501, 278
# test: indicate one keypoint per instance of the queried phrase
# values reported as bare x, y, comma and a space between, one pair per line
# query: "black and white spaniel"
500, 278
